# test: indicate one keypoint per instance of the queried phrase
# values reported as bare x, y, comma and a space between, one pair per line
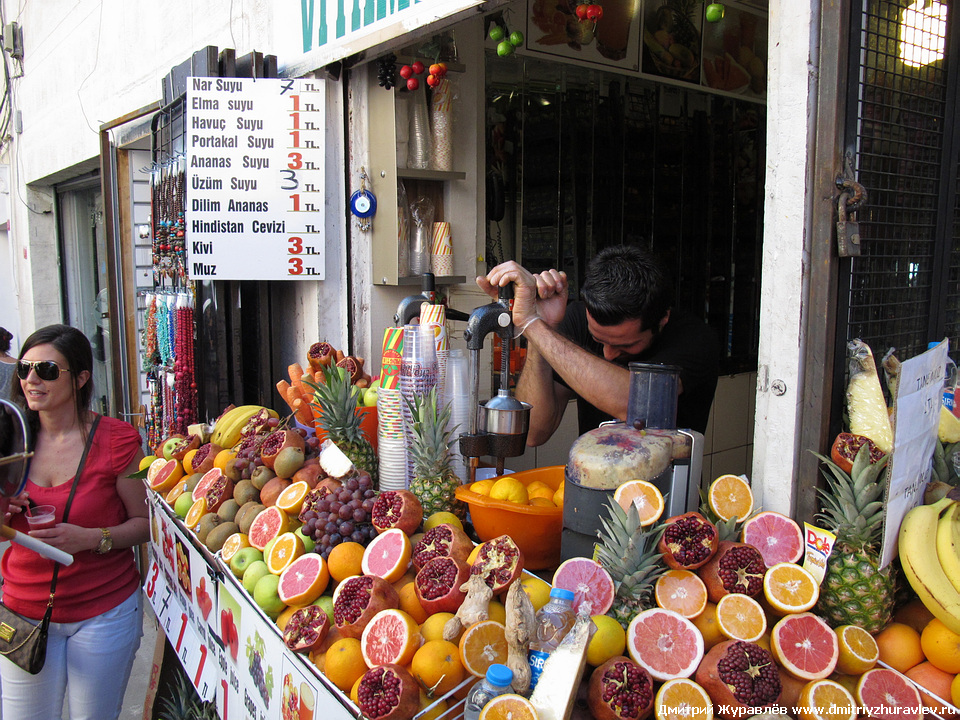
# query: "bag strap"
66, 509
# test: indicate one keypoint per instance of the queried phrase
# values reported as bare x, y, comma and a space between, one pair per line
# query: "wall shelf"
439, 175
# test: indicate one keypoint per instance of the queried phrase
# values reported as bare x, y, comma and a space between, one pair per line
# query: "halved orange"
188, 461
682, 699
481, 645
859, 652
290, 500
826, 700
730, 496
196, 511
789, 588
740, 617
644, 496
286, 548
681, 591
176, 491
233, 544
509, 707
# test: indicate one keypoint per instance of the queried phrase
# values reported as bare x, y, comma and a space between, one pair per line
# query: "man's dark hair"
5, 337
625, 282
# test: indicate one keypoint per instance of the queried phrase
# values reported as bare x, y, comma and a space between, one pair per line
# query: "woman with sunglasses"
8, 365
97, 615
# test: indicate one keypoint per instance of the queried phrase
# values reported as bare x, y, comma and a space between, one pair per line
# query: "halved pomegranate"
359, 598
438, 584
353, 365
739, 675
388, 692
688, 541
499, 562
219, 492
306, 629
847, 445
620, 690
397, 509
444, 540
320, 354
179, 450
277, 441
204, 457
735, 568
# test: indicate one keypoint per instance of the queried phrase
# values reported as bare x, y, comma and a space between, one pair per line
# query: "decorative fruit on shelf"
406, 72
714, 12
413, 84
417, 67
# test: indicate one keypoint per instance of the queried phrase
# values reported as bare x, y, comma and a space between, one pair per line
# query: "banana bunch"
226, 432
934, 576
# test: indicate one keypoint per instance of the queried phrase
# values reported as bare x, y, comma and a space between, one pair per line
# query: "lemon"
440, 518
608, 641
537, 589
509, 489
482, 487
145, 463
949, 431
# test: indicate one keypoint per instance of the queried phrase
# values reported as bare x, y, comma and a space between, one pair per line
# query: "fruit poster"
735, 53
554, 28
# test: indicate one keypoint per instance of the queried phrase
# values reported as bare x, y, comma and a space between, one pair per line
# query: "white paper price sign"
255, 179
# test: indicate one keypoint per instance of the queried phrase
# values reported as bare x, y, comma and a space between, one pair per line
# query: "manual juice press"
649, 446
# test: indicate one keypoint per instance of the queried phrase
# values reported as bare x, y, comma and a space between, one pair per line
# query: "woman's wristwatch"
106, 542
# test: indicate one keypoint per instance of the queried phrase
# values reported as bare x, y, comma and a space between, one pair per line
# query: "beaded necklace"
185, 387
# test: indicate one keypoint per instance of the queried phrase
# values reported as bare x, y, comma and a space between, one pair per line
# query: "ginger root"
521, 626
473, 609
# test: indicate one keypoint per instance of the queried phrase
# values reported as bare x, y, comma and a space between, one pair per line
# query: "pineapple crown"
628, 551
432, 434
852, 505
335, 400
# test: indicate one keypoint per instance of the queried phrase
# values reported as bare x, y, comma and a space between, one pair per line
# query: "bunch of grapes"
341, 515
386, 75
248, 453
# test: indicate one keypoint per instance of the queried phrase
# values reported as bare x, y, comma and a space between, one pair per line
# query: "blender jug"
652, 399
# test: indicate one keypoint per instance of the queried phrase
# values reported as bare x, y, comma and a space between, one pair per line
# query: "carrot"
303, 412
283, 387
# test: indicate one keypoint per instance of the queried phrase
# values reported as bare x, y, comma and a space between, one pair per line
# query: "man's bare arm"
548, 398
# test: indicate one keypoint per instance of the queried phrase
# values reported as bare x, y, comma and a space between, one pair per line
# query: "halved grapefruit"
665, 643
388, 555
163, 474
805, 646
304, 580
889, 695
270, 523
777, 537
208, 479
588, 581
391, 636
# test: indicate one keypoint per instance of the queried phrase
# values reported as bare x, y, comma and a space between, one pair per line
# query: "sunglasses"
46, 369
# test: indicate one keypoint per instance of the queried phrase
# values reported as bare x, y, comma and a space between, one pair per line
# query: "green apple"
243, 559
265, 595
181, 506
505, 48
308, 542
256, 570
169, 446
370, 397
516, 38
326, 602
496, 33
715, 12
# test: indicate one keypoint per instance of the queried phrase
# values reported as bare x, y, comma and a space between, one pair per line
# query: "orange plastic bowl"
536, 530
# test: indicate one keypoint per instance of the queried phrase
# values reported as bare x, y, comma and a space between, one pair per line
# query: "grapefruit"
270, 523
644, 496
208, 479
665, 643
805, 646
588, 581
889, 695
304, 580
163, 474
391, 636
388, 555
777, 537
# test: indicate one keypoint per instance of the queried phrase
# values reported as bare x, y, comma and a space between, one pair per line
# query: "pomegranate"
258, 424
499, 562
620, 689
277, 441
306, 629
444, 540
353, 365
311, 499
738, 674
688, 541
359, 598
310, 473
204, 457
734, 568
397, 509
320, 354
847, 445
438, 584
218, 493
184, 445
388, 692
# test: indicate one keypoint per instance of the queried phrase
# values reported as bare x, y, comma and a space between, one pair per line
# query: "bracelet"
528, 323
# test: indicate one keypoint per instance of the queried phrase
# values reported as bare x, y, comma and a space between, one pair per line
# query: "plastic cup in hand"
41, 517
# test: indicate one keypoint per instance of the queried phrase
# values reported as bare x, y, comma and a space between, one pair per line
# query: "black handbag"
24, 641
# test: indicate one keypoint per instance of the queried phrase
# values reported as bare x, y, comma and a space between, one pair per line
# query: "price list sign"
254, 179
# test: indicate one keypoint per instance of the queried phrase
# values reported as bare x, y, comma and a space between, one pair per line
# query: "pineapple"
855, 591
434, 481
629, 553
339, 419
866, 405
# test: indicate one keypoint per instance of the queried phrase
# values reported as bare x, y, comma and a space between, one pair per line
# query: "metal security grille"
895, 293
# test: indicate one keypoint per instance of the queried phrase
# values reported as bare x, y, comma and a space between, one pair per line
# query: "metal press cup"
41, 517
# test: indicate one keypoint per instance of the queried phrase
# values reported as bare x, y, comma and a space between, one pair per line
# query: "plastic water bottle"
554, 621
497, 682
949, 382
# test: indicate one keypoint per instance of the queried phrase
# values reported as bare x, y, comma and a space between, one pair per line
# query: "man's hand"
551, 286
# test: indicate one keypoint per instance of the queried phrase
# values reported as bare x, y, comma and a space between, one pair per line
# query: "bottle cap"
562, 594
499, 675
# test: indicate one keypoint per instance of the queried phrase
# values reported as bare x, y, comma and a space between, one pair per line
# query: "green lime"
496, 33
505, 49
516, 38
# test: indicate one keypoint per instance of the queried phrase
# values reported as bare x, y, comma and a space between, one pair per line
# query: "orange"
708, 626
859, 651
509, 707
497, 611
938, 682
789, 588
509, 489
440, 518
290, 499
188, 461
482, 487
176, 491
914, 614
436, 666
196, 511
740, 617
355, 691
537, 589
344, 663
232, 544
955, 691
644, 496
471, 558
410, 603
730, 496
223, 457
542, 501
681, 591
438, 708
345, 560
285, 549
481, 645
391, 636
682, 699
558, 496
899, 646
826, 700
941, 646
535, 484
432, 627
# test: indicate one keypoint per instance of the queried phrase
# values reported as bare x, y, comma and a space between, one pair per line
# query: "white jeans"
90, 661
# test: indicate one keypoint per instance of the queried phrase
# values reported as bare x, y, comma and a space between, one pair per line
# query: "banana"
226, 434
917, 539
948, 544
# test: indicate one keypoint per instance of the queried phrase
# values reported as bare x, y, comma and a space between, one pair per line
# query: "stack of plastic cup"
436, 317
392, 447
457, 395
418, 375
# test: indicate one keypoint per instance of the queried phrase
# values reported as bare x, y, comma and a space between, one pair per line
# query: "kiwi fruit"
261, 476
207, 523
218, 535
244, 492
228, 511
192, 481
288, 461
246, 515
